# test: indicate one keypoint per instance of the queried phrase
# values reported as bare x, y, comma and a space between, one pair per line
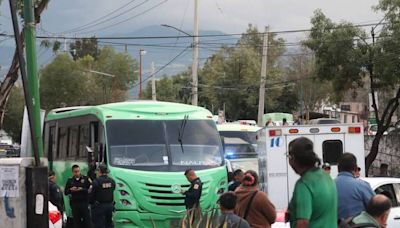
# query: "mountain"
159, 51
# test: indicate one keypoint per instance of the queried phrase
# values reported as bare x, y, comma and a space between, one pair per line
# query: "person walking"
55, 193
252, 205
314, 199
77, 188
227, 204
237, 180
102, 198
353, 193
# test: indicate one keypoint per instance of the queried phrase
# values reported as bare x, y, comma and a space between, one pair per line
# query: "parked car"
389, 187
55, 217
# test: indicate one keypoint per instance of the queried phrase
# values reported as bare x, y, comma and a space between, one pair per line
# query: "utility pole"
195, 55
141, 53
261, 99
153, 83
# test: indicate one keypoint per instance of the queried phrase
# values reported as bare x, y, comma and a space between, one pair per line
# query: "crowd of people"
317, 201
91, 201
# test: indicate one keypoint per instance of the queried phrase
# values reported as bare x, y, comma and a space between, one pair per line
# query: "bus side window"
84, 140
50, 143
62, 143
73, 142
332, 150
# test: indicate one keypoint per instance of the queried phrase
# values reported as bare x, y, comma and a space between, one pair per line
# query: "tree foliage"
345, 56
83, 47
309, 89
14, 114
230, 78
65, 82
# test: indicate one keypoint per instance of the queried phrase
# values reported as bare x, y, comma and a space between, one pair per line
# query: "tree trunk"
373, 153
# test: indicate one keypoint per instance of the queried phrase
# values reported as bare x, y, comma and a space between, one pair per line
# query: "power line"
128, 19
164, 66
174, 37
100, 18
109, 19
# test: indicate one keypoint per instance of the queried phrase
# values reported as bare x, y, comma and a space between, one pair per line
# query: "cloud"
231, 16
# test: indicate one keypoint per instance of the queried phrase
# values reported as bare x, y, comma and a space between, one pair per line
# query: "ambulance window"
331, 151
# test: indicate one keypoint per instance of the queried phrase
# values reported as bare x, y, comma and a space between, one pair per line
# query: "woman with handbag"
253, 205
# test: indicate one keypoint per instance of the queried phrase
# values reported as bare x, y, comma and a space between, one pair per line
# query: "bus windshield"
240, 144
154, 144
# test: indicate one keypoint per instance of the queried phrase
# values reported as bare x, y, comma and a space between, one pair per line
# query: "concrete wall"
389, 153
16, 206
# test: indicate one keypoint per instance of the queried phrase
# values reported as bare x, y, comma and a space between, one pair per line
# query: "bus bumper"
134, 219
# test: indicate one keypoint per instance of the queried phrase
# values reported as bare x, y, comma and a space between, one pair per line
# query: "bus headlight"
220, 191
125, 202
123, 193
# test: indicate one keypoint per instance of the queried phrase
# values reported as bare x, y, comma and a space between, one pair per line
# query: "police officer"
193, 194
55, 194
77, 188
102, 198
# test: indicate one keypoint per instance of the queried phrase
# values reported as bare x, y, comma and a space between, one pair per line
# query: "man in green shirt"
314, 201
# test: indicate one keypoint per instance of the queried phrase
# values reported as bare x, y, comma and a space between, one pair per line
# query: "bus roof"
237, 127
133, 110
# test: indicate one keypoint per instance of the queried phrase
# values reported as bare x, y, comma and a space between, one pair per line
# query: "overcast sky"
230, 16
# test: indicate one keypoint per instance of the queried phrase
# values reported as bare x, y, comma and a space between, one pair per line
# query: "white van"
240, 145
278, 179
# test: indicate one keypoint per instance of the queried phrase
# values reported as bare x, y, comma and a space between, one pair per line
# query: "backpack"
348, 223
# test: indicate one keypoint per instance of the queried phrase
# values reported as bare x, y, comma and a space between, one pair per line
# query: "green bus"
147, 146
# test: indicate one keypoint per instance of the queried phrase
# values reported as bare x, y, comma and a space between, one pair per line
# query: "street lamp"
104, 83
195, 63
141, 53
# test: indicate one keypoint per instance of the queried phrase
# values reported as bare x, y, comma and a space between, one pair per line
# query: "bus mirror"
99, 152
223, 143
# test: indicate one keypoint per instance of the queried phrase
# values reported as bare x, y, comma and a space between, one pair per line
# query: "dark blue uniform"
102, 201
193, 194
79, 200
56, 196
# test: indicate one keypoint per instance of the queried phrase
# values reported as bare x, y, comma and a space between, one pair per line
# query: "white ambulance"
278, 179
240, 145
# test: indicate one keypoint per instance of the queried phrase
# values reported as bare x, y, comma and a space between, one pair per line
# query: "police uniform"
102, 201
79, 200
55, 196
193, 194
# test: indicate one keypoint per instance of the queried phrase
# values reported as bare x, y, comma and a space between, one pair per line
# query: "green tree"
122, 66
62, 83
83, 47
309, 90
232, 75
345, 57
172, 89
14, 114
65, 82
